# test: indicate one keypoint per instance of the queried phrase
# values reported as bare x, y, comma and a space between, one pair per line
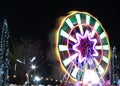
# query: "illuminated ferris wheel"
82, 46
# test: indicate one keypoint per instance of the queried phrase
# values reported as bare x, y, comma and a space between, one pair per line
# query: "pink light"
82, 46
90, 78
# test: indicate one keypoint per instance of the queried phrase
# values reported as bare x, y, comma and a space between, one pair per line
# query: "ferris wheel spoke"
99, 74
68, 21
100, 68
87, 19
102, 35
105, 59
80, 75
63, 48
66, 35
79, 23
95, 28
96, 67
104, 47
67, 61
74, 72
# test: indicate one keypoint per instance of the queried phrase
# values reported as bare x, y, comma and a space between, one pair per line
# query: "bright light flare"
90, 77
37, 78
33, 66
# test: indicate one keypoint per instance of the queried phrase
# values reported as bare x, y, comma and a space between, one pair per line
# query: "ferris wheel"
82, 46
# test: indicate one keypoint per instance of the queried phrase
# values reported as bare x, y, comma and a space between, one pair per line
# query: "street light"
36, 79
19, 61
30, 65
33, 66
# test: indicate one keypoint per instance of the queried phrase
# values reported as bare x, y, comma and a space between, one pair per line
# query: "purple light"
85, 46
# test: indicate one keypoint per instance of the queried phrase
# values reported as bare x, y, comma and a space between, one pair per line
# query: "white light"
105, 59
100, 68
37, 78
95, 28
14, 76
33, 66
102, 35
87, 77
63, 47
118, 82
87, 19
19, 61
74, 72
15, 67
104, 47
66, 35
69, 23
79, 22
33, 59
67, 61
46, 78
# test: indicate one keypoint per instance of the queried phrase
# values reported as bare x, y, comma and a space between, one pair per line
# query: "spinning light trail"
81, 41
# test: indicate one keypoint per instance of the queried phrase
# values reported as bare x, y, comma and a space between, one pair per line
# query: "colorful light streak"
100, 43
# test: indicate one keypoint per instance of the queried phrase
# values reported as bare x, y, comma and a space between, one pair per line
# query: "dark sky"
38, 18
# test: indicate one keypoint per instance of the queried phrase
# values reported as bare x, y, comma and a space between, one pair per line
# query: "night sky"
38, 18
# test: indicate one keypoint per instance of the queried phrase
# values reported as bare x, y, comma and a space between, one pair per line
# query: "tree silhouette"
54, 64
24, 50
4, 50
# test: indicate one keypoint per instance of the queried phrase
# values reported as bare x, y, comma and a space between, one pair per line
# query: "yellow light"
14, 76
46, 78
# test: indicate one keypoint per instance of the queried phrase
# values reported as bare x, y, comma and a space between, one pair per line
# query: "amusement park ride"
83, 49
